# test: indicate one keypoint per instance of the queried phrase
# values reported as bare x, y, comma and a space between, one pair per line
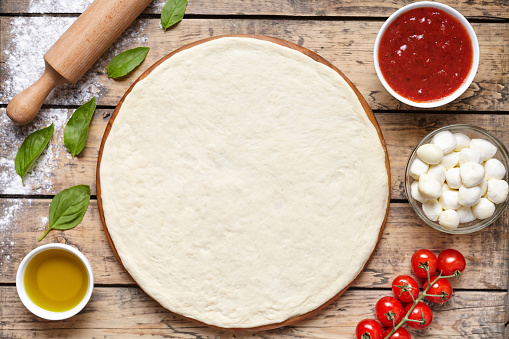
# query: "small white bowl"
30, 305
475, 46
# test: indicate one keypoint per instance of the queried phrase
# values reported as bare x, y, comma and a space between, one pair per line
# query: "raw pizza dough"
243, 184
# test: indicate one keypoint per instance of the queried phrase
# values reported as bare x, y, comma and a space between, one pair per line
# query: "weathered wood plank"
371, 8
22, 221
128, 312
57, 170
347, 44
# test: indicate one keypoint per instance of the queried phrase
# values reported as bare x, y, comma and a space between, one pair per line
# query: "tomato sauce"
425, 54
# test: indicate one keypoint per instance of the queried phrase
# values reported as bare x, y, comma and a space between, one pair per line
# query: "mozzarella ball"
483, 186
453, 178
483, 209
432, 209
445, 140
437, 172
471, 174
449, 219
449, 200
486, 148
470, 155
430, 154
417, 168
414, 191
446, 187
429, 187
462, 141
450, 160
497, 190
465, 214
469, 196
494, 169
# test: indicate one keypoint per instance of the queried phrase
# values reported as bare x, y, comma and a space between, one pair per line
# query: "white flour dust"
76, 6
8, 220
40, 179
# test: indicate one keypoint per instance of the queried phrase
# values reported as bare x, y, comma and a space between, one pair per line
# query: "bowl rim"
475, 47
483, 223
34, 308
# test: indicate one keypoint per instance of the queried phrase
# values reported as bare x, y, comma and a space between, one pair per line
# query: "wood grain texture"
348, 45
485, 250
125, 312
58, 170
370, 8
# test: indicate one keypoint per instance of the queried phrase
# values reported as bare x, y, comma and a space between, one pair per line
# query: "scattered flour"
31, 37
76, 6
8, 218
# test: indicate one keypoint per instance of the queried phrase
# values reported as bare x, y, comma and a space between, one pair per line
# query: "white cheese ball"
483, 186
414, 191
483, 209
494, 169
453, 178
438, 172
450, 160
449, 200
465, 214
446, 187
469, 196
417, 168
430, 154
497, 190
445, 140
429, 187
486, 148
471, 174
432, 209
470, 155
449, 219
462, 141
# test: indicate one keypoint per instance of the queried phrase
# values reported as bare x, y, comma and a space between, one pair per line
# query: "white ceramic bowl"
30, 305
475, 46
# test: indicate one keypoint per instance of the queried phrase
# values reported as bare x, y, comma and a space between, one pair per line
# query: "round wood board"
287, 44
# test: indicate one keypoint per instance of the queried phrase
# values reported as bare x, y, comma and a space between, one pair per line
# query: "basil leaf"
68, 208
31, 149
126, 61
76, 130
173, 12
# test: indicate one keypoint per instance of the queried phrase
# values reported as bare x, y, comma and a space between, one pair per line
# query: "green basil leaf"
76, 130
173, 12
31, 149
68, 208
126, 61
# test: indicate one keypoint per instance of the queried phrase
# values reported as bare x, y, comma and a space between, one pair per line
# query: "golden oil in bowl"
56, 280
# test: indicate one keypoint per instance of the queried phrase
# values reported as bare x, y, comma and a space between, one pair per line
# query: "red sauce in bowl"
425, 54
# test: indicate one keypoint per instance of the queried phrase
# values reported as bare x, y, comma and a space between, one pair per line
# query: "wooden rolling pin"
76, 51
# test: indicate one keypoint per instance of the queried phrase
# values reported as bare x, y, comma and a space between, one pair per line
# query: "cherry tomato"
440, 287
450, 261
402, 282
369, 329
421, 312
424, 257
387, 307
401, 333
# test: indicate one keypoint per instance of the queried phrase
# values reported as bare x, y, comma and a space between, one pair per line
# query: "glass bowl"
473, 132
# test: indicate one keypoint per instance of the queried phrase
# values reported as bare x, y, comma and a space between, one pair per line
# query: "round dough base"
242, 183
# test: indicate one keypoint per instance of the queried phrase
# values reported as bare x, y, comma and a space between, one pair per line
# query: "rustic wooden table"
341, 31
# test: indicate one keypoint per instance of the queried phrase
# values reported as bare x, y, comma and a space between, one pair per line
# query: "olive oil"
56, 280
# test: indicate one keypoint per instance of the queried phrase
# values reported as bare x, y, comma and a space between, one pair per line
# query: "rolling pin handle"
24, 107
